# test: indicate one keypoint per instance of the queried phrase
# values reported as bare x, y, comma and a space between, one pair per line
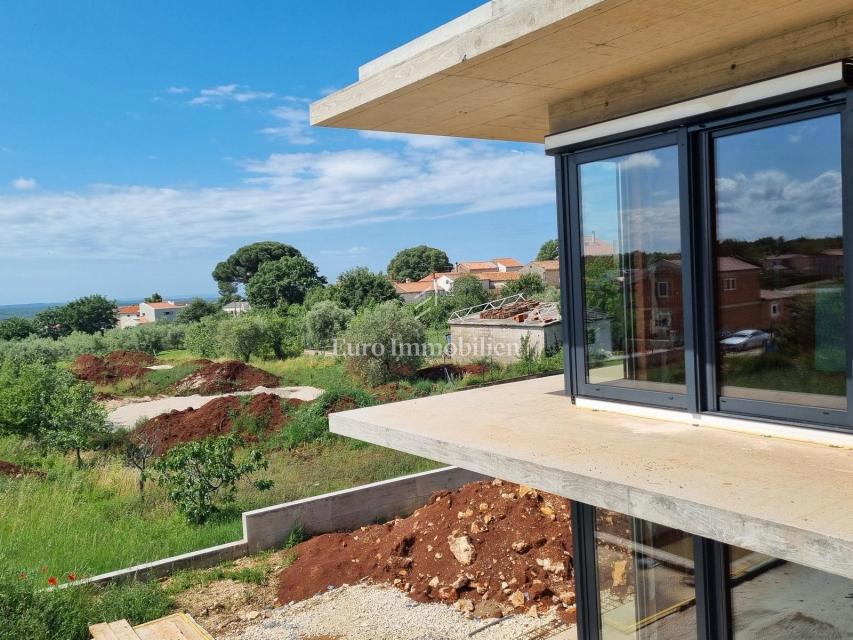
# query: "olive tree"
240, 336
323, 322
384, 343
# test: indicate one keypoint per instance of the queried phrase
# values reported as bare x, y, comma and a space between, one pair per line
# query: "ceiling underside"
524, 69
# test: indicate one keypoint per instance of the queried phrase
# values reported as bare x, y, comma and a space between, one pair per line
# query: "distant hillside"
29, 310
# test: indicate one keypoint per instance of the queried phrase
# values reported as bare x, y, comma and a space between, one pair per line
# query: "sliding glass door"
778, 268
708, 265
630, 256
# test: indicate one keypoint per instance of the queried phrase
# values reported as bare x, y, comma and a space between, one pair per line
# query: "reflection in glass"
771, 598
779, 275
633, 317
645, 578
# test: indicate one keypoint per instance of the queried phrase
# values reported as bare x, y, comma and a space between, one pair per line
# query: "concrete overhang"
525, 69
787, 498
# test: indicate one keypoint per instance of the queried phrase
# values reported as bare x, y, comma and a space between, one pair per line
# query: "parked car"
745, 339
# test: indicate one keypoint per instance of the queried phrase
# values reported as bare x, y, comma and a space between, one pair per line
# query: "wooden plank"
123, 631
178, 626
102, 631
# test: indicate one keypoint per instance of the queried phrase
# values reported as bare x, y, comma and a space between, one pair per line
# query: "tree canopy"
196, 309
360, 287
244, 263
529, 284
16, 328
549, 250
416, 262
285, 280
154, 297
89, 314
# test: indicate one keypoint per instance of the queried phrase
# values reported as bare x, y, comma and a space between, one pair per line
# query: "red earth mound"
118, 365
488, 548
226, 377
261, 412
17, 471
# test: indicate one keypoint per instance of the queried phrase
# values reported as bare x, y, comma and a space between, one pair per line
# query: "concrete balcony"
761, 490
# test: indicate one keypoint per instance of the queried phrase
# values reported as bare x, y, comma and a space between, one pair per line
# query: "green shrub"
197, 475
241, 336
201, 337
310, 421
324, 322
283, 331
384, 343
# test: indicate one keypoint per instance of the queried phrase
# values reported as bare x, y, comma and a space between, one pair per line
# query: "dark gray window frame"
695, 144
575, 252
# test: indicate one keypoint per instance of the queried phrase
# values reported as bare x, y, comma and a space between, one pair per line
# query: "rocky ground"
373, 612
489, 549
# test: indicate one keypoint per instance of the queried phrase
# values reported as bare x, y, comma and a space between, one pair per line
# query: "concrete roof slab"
525, 69
786, 498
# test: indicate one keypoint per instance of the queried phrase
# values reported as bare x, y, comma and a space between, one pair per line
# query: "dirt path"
125, 416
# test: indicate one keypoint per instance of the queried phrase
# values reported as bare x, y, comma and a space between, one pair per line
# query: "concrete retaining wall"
269, 528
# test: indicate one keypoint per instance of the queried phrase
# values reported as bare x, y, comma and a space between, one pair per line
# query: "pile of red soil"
226, 377
488, 548
118, 365
441, 372
212, 419
17, 471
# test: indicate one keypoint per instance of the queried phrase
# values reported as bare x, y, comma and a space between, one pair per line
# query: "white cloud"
357, 250
177, 90
281, 195
293, 125
772, 203
24, 184
642, 160
217, 96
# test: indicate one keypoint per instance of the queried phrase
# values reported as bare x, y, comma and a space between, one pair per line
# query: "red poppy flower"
52, 581
71, 577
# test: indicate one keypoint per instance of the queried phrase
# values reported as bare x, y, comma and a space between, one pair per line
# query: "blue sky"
142, 142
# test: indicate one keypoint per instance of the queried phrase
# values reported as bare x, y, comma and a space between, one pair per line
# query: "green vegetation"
59, 522
550, 250
324, 322
244, 263
360, 287
196, 309
153, 382
416, 262
201, 476
383, 343
28, 610
283, 281
529, 284
90, 314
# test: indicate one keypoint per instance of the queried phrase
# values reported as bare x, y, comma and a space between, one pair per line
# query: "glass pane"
775, 599
645, 577
780, 281
633, 317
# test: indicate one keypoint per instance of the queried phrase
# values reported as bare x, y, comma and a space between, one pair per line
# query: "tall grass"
91, 521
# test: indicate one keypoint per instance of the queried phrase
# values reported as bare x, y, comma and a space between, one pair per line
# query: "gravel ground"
126, 415
367, 612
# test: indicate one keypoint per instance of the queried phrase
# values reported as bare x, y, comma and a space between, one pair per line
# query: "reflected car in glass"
745, 340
